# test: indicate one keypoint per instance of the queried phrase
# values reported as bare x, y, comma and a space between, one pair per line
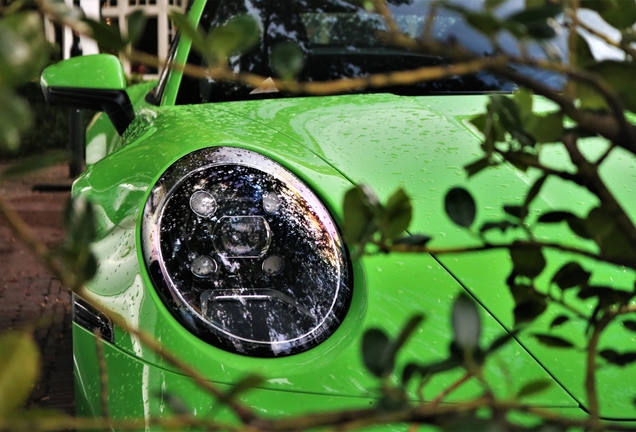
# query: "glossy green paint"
97, 71
143, 391
181, 57
386, 290
422, 144
101, 136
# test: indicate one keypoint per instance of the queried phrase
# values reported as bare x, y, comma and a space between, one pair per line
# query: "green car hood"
422, 144
330, 142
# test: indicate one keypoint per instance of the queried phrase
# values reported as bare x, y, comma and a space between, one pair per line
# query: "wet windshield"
338, 39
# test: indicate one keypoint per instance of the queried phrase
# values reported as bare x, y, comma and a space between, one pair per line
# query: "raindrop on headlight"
271, 202
203, 266
273, 265
203, 204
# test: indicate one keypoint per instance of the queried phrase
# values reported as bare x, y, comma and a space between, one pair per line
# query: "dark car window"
338, 40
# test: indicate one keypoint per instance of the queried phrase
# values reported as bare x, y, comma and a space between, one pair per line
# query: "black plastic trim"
85, 315
115, 103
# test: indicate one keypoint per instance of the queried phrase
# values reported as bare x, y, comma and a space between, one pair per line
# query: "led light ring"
171, 182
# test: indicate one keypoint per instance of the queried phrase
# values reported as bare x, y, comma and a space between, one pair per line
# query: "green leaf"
15, 117
34, 163
621, 16
571, 275
607, 296
188, 30
534, 21
238, 35
630, 325
584, 56
397, 214
175, 403
546, 128
531, 4
374, 344
360, 207
601, 224
19, 369
379, 351
561, 319
287, 59
529, 309
524, 100
106, 36
460, 207
413, 240
578, 227
617, 358
528, 260
485, 23
477, 166
553, 341
136, 25
555, 217
537, 14
411, 369
534, 191
501, 341
479, 121
510, 118
23, 48
492, 4
600, 6
619, 75
533, 387
466, 323
515, 211
80, 222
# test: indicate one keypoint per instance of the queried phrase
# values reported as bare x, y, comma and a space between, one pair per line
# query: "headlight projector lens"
244, 254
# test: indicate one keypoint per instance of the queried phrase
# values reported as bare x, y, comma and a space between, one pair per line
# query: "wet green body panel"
422, 145
387, 290
98, 71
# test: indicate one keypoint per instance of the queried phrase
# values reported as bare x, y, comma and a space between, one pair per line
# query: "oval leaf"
555, 217
19, 369
287, 60
466, 322
374, 344
561, 319
630, 325
460, 207
533, 387
236, 36
528, 260
397, 214
553, 341
570, 276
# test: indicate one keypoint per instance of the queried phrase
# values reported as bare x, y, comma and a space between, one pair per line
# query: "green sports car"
219, 212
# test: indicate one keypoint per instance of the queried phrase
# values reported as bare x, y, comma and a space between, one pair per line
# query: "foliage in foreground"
594, 103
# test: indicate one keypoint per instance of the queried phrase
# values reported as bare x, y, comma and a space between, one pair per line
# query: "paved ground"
29, 293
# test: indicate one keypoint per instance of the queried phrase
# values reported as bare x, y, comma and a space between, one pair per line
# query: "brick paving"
28, 291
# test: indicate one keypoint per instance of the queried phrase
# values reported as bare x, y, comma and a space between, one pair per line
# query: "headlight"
244, 254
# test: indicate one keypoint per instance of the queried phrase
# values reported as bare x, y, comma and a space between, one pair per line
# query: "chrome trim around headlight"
258, 267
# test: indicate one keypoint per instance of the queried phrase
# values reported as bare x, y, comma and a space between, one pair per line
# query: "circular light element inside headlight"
244, 254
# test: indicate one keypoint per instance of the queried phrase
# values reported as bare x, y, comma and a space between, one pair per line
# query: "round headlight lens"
244, 254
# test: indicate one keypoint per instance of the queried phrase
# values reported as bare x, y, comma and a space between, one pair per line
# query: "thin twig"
570, 89
103, 378
519, 244
609, 41
454, 386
